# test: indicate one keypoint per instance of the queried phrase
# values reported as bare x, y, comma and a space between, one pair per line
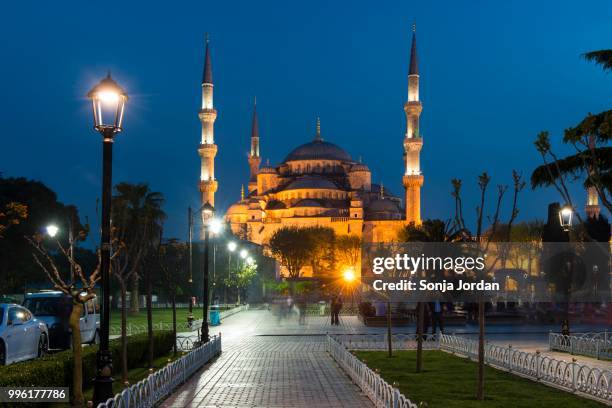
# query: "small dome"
317, 150
308, 203
359, 167
382, 209
312, 183
237, 209
267, 169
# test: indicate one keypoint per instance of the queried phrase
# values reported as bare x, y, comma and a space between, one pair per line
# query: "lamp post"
215, 227
565, 219
231, 247
208, 211
190, 266
108, 103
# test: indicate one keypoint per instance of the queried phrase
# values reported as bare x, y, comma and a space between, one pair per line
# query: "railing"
598, 345
371, 383
180, 326
570, 376
379, 341
151, 390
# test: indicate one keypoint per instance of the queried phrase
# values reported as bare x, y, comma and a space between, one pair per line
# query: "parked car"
54, 308
22, 335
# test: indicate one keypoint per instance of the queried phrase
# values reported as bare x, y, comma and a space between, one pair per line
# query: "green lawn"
159, 315
448, 381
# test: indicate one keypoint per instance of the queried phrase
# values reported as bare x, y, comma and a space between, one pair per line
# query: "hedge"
55, 370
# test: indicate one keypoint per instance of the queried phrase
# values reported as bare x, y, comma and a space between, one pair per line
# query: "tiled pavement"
260, 367
271, 363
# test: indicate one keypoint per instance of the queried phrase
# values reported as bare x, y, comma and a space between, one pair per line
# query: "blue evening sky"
493, 74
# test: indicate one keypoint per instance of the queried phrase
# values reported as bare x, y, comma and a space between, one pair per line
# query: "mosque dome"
308, 203
359, 167
318, 150
237, 208
382, 209
311, 183
267, 169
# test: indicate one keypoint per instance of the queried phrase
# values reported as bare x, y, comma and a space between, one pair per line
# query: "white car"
54, 307
22, 336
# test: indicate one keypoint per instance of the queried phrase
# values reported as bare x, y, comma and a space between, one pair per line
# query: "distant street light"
565, 217
216, 226
231, 246
108, 104
349, 275
244, 253
250, 261
52, 230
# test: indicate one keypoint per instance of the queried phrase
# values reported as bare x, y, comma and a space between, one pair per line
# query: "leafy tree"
322, 259
12, 214
241, 277
172, 256
348, 250
17, 268
592, 160
293, 249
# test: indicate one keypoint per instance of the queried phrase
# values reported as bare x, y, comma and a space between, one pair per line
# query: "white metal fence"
371, 383
379, 341
598, 345
160, 384
570, 376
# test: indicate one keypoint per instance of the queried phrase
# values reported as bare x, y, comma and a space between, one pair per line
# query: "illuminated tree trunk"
77, 354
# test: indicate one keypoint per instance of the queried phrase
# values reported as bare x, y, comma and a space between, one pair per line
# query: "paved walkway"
268, 362
262, 367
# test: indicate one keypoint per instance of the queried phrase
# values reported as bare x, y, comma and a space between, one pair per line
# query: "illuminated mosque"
318, 183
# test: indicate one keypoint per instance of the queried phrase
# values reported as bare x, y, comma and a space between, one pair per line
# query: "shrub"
55, 370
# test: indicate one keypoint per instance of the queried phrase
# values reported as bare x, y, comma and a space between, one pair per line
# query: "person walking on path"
336, 306
437, 318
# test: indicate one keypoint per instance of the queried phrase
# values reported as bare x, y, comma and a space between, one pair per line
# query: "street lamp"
208, 212
231, 247
565, 217
52, 230
243, 253
108, 104
216, 226
349, 275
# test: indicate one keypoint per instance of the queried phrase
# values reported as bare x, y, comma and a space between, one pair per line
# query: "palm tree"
601, 57
137, 223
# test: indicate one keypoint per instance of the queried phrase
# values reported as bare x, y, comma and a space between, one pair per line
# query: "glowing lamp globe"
108, 103
565, 217
52, 230
349, 275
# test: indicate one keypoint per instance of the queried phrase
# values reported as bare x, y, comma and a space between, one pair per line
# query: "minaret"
413, 179
592, 207
254, 159
208, 148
